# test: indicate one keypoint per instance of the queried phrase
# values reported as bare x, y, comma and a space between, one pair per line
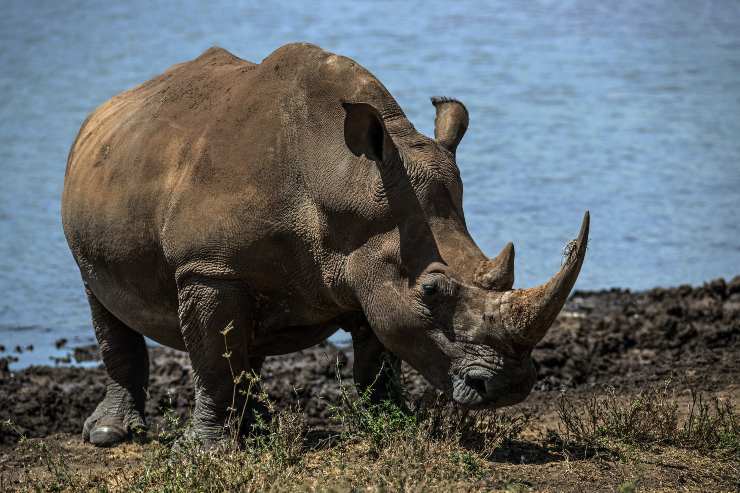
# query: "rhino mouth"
482, 387
474, 386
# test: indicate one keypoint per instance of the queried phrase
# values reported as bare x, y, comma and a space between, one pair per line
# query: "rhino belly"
139, 292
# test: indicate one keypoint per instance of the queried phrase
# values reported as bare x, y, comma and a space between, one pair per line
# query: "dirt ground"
630, 341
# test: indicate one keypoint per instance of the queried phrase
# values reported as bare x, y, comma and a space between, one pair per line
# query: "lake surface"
630, 109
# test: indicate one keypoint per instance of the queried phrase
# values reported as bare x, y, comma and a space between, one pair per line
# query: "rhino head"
429, 293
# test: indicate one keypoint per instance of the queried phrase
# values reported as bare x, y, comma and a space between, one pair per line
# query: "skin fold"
288, 199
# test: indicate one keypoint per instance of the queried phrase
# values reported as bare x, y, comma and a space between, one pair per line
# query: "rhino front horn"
532, 311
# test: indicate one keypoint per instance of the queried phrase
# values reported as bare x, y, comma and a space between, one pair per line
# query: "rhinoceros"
286, 200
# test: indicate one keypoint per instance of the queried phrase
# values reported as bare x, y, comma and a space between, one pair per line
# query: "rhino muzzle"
481, 386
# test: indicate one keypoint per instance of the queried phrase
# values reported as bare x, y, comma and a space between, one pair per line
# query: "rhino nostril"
478, 384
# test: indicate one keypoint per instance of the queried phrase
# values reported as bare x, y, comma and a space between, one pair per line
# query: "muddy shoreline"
625, 339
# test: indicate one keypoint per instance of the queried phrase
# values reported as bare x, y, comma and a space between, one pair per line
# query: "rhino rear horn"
450, 122
497, 273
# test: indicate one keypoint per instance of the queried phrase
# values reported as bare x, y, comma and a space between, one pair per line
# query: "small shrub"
470, 462
381, 423
711, 425
483, 431
516, 486
627, 487
650, 418
172, 427
281, 438
360, 418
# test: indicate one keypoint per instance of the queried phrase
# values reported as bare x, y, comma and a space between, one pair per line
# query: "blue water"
628, 108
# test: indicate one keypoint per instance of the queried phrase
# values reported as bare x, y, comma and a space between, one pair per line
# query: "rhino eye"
429, 288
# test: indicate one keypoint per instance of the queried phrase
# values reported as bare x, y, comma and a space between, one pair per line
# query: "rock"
717, 287
658, 333
734, 286
86, 353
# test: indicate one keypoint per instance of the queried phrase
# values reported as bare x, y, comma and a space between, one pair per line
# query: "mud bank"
688, 334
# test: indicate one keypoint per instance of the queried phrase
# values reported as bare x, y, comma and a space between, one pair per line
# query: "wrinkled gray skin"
289, 198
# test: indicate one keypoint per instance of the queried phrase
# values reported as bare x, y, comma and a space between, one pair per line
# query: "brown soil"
618, 338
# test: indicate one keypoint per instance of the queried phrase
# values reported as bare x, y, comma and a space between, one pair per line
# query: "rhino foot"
107, 433
107, 428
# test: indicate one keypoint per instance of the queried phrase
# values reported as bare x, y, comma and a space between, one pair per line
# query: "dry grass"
380, 446
617, 443
651, 418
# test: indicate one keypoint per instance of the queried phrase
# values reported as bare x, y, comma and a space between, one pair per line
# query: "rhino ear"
450, 123
364, 131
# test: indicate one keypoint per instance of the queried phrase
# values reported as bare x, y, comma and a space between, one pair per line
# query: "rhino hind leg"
376, 370
216, 325
120, 415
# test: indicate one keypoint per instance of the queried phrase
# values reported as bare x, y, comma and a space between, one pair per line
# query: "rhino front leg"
376, 370
124, 354
216, 324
